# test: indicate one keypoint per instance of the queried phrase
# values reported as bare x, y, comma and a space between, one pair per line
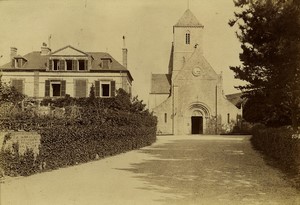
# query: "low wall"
25, 140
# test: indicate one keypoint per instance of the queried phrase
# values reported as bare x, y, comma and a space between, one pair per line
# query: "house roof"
97, 56
36, 61
160, 83
188, 19
236, 99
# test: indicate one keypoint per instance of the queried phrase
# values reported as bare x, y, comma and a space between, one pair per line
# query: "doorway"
197, 125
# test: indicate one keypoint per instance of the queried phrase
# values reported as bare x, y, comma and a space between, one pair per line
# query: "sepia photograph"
182, 102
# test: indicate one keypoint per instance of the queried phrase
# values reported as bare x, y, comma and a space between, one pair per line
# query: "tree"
9, 93
269, 31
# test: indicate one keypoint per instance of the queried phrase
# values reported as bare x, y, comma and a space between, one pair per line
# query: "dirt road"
175, 170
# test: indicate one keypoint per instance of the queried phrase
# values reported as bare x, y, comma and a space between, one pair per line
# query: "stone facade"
190, 97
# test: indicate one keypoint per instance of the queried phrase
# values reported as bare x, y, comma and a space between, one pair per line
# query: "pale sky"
98, 25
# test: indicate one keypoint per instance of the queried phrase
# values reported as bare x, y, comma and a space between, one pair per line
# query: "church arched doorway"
197, 124
196, 118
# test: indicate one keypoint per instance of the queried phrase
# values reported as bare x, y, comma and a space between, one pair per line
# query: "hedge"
281, 145
61, 146
102, 127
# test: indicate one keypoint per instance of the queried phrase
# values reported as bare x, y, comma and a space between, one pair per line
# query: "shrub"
279, 144
14, 164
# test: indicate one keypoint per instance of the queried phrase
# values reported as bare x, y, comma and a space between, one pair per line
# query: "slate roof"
188, 20
36, 61
160, 83
236, 99
97, 59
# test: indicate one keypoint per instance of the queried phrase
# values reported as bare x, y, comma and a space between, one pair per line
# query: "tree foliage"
269, 32
9, 93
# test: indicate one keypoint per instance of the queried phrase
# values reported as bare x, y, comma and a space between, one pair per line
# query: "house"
189, 99
68, 70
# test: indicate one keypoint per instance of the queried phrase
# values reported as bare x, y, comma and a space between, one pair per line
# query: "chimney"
125, 51
13, 52
45, 50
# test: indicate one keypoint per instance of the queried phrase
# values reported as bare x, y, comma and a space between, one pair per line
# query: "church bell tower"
187, 37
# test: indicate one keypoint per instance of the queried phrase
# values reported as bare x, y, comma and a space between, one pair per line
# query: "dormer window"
106, 63
18, 62
187, 37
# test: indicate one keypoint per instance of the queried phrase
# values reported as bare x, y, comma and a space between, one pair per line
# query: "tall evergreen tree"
269, 31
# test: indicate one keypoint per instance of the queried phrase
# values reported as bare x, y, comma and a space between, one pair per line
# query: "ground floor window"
55, 88
105, 88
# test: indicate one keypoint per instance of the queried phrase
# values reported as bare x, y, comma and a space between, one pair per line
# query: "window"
18, 85
166, 117
69, 64
82, 64
228, 118
105, 64
105, 88
55, 88
187, 38
80, 88
19, 63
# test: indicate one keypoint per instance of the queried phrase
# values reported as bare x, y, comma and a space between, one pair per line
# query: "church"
189, 99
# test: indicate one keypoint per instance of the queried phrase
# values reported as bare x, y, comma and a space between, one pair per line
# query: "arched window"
187, 37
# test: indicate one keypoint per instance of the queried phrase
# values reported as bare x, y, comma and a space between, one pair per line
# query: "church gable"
196, 67
69, 51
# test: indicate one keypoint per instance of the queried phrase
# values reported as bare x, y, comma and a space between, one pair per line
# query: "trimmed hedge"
99, 128
64, 146
280, 144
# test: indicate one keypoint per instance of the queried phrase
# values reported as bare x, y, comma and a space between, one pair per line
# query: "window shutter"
47, 88
85, 65
13, 61
18, 85
97, 88
62, 65
112, 88
80, 88
50, 64
74, 64
63, 88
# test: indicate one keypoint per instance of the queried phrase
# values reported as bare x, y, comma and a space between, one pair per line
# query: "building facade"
189, 99
67, 71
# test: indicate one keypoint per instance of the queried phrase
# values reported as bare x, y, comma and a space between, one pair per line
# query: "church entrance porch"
197, 125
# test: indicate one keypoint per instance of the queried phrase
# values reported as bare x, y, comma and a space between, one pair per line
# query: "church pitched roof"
236, 99
188, 19
160, 83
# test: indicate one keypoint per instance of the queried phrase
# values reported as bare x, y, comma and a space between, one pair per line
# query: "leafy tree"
269, 31
9, 93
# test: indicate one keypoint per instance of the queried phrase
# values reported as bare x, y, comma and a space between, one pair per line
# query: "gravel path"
175, 170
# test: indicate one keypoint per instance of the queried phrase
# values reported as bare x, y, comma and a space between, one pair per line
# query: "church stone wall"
156, 99
163, 112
